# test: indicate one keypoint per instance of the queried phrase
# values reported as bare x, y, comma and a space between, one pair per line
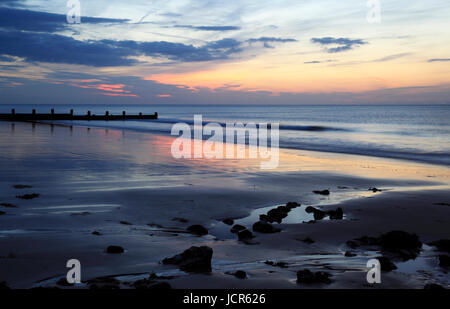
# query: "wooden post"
13, 112
71, 113
123, 114
33, 112
89, 114
52, 111
140, 115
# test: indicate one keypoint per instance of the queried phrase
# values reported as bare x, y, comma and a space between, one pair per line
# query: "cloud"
439, 60
343, 44
317, 61
53, 48
27, 20
267, 40
391, 57
209, 28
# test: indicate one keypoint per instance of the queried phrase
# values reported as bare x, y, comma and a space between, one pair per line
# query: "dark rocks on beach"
318, 214
22, 187
198, 229
397, 244
80, 214
237, 228
441, 245
337, 214
265, 227
322, 192
308, 277
374, 190
4, 286
292, 205
96, 233
444, 260
115, 250
349, 254
277, 214
194, 259
276, 264
386, 264
8, 205
405, 245
308, 240
2, 213
240, 274
228, 221
125, 223
245, 235
28, 196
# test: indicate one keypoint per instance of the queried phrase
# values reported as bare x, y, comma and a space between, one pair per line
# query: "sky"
225, 52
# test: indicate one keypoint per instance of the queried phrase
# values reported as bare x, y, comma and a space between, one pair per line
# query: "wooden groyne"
13, 116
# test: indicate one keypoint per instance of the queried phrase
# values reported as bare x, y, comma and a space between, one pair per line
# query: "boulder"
28, 196
228, 221
237, 228
441, 245
265, 227
322, 192
306, 276
245, 235
2, 213
240, 274
115, 250
386, 264
194, 259
198, 229
337, 214
292, 205
349, 254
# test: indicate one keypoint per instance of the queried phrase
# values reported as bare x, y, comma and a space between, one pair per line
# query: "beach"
125, 186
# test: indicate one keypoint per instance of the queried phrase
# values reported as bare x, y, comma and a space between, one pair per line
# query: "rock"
386, 264
308, 277
182, 220
125, 223
277, 264
374, 190
96, 233
404, 245
352, 244
433, 286
115, 250
240, 274
28, 196
292, 205
4, 286
318, 214
80, 214
441, 245
2, 213
337, 214
22, 187
264, 218
245, 235
236, 228
308, 240
444, 260
349, 254
194, 259
265, 227
228, 221
323, 192
277, 214
197, 229
8, 205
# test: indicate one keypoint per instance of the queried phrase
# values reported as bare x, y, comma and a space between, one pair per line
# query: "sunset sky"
225, 52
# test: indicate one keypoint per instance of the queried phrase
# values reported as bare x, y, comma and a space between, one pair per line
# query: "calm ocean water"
419, 133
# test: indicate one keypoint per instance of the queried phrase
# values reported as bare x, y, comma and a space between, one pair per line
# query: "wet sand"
93, 179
